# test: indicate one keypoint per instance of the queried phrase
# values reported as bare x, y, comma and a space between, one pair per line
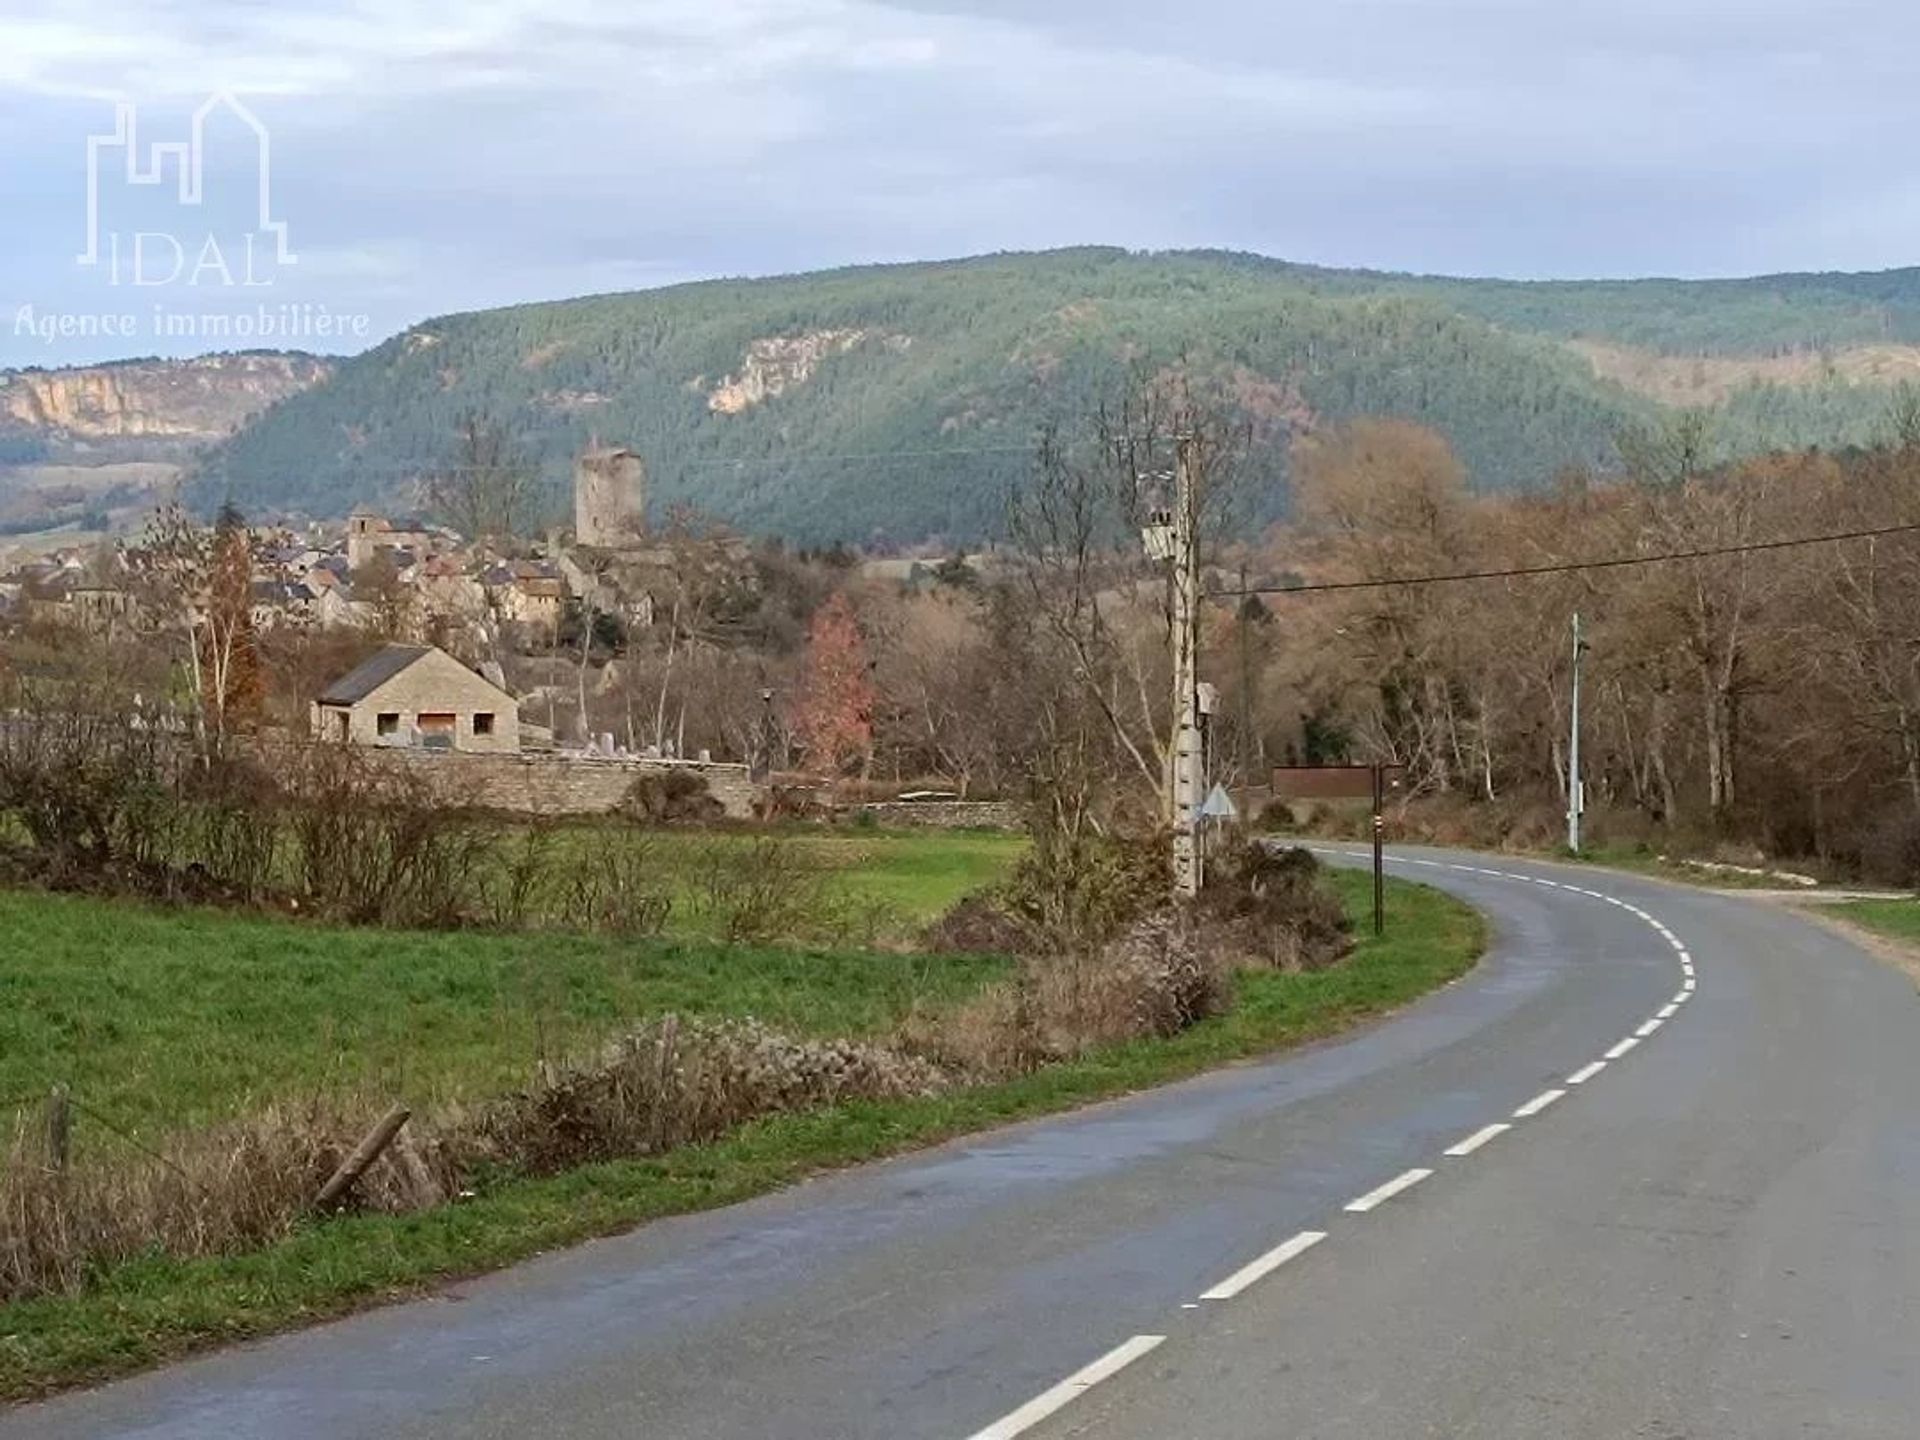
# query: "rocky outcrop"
191, 401
775, 364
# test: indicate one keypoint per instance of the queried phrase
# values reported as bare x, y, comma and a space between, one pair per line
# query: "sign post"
1379, 858
1348, 782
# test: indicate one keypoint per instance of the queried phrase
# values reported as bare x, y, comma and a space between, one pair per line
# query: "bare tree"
1079, 568
486, 490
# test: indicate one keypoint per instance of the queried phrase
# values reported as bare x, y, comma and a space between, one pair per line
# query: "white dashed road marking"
1265, 1265
1405, 1181
1537, 1104
1479, 1137
1069, 1389
1117, 1359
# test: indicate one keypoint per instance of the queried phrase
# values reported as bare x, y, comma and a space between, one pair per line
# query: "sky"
433, 157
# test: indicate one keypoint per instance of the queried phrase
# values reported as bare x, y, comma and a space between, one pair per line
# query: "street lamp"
766, 732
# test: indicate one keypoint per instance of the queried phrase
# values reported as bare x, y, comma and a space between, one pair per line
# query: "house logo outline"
188, 159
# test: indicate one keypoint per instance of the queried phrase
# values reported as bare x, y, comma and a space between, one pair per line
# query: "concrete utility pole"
1575, 799
1186, 645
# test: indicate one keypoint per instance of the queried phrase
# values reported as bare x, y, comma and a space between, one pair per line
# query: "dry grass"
1155, 981
233, 1187
245, 1184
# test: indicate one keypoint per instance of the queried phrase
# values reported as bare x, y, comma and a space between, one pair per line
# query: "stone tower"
609, 497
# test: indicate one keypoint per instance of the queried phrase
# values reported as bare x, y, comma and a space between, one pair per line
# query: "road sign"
1219, 805
1332, 782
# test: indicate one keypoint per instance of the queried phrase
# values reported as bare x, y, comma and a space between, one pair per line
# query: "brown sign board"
1331, 782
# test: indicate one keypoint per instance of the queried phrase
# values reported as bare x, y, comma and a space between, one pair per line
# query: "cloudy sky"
438, 156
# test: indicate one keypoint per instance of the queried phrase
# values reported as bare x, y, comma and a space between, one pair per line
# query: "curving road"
1491, 1216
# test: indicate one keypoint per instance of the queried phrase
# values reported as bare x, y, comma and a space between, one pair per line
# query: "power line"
429, 468
1568, 566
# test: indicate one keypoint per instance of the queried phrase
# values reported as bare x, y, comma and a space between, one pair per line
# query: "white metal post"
1574, 797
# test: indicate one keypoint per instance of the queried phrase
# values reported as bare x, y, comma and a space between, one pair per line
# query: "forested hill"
893, 403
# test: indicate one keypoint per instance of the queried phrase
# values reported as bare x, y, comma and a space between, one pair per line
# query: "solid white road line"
1586, 1073
1622, 1048
1387, 1191
1479, 1137
1537, 1104
1069, 1389
1265, 1265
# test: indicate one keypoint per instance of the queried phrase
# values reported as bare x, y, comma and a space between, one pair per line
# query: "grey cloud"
435, 158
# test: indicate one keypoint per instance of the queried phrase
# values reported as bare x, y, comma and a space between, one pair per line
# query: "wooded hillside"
893, 404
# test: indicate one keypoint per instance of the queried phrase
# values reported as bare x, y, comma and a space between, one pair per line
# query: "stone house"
369, 533
417, 696
527, 593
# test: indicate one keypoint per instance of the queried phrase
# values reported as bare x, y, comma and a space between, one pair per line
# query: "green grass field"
171, 1017
907, 877
174, 1017
164, 1018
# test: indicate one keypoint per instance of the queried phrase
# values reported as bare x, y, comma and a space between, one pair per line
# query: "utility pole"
1186, 644
1575, 799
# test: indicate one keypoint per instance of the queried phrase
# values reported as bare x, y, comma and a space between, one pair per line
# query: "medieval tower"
609, 497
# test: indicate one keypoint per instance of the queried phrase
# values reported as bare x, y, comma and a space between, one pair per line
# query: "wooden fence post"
364, 1154
59, 1129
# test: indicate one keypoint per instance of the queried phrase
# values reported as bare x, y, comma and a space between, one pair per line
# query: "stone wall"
947, 814
559, 784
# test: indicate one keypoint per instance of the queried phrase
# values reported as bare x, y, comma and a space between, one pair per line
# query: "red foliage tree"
833, 711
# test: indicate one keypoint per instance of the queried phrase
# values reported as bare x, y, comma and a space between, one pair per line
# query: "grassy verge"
1642, 861
1895, 919
145, 1312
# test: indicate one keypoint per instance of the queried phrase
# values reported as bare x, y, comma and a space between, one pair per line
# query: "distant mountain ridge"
896, 403
147, 409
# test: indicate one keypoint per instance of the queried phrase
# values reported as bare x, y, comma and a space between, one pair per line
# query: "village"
495, 665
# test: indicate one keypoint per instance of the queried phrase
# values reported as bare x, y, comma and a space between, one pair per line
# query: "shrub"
675, 1082
669, 797
1153, 980
764, 890
372, 845
1266, 905
619, 888
1077, 889
978, 925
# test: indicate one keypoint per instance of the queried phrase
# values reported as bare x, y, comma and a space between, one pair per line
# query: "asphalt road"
1714, 1234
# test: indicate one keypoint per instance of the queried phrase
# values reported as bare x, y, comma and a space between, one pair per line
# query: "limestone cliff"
173, 401
778, 363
